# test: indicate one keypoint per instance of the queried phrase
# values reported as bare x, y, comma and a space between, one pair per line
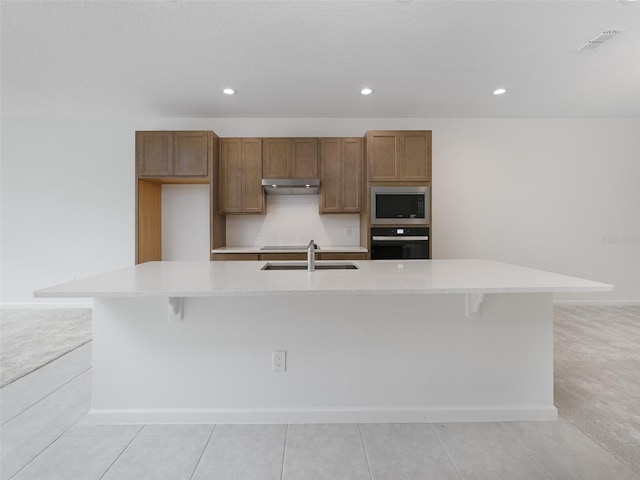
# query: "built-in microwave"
400, 205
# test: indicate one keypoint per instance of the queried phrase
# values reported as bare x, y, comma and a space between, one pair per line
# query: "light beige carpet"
597, 375
33, 337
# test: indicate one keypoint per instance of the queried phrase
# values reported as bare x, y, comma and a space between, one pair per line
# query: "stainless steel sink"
303, 266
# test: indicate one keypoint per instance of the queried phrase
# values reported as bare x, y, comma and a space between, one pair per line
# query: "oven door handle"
399, 238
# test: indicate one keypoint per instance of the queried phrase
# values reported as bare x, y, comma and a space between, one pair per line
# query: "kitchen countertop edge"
239, 279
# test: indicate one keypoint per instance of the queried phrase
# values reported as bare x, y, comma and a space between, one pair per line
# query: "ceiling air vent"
599, 39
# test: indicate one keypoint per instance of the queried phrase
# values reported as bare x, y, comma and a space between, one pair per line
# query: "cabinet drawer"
342, 256
283, 256
236, 256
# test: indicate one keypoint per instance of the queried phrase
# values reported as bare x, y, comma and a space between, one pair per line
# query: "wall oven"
400, 205
399, 243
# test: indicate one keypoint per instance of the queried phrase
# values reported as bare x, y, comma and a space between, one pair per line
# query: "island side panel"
362, 358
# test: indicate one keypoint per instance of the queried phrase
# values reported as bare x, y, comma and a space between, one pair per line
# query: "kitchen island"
390, 341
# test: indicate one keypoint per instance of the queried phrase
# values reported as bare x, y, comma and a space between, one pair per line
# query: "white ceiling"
311, 58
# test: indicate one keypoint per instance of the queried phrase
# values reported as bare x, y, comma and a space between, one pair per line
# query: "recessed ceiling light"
499, 91
228, 91
366, 91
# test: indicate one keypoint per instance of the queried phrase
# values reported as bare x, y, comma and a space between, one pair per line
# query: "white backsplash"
293, 220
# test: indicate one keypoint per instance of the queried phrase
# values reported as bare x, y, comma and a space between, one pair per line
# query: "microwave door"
394, 206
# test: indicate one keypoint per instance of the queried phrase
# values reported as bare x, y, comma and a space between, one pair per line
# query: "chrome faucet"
311, 256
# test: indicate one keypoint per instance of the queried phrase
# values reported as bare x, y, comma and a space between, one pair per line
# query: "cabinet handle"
399, 238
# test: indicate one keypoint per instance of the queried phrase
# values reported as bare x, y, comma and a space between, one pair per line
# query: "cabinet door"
416, 155
277, 158
190, 153
340, 175
351, 172
230, 175
154, 153
330, 176
304, 158
383, 155
252, 193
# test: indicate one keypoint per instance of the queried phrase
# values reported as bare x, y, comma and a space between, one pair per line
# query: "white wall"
548, 194
560, 195
185, 222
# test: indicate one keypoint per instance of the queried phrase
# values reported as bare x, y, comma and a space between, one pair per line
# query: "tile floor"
44, 437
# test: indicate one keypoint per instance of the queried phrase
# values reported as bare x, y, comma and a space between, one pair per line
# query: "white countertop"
380, 277
347, 249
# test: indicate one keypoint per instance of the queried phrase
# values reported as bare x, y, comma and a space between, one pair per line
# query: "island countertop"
379, 277
393, 341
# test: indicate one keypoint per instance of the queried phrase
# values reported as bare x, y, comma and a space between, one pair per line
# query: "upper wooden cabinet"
340, 175
276, 157
399, 156
304, 158
290, 158
181, 154
241, 175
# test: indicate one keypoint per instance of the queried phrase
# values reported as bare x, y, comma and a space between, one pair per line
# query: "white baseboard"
85, 303
88, 303
602, 303
496, 413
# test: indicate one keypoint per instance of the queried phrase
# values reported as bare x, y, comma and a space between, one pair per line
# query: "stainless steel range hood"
291, 186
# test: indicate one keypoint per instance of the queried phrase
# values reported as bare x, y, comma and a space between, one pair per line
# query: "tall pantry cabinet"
172, 157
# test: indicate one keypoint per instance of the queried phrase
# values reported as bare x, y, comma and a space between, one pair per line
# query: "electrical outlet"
279, 361
347, 231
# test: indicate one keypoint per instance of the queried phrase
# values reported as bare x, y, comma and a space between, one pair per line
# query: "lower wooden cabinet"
283, 256
278, 257
342, 256
236, 256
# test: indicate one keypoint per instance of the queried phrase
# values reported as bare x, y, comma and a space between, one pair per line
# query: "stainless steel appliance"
291, 186
399, 243
400, 205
